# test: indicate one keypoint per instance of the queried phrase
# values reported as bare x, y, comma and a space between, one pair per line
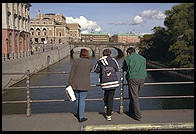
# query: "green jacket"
136, 66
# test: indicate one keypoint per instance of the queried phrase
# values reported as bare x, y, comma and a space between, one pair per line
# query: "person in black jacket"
107, 67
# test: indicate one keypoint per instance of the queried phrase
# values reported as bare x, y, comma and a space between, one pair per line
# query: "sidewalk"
68, 122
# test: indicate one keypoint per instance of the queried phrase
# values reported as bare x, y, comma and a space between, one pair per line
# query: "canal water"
95, 92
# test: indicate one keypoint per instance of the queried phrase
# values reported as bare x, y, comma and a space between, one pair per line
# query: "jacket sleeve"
116, 65
97, 68
124, 67
72, 72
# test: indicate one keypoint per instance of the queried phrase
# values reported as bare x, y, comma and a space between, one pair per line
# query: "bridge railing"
122, 84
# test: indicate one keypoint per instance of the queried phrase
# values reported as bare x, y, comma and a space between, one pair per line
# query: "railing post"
28, 111
121, 90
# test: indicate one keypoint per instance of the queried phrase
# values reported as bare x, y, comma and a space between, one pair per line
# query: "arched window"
60, 34
32, 31
44, 32
38, 31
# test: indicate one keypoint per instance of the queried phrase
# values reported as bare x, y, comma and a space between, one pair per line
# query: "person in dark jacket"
135, 66
107, 67
79, 79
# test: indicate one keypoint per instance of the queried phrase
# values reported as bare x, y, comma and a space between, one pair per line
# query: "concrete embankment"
170, 73
34, 63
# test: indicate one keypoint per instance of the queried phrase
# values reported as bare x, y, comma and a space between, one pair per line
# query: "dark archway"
120, 52
76, 50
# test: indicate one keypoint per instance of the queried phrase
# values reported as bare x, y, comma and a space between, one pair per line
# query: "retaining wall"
34, 63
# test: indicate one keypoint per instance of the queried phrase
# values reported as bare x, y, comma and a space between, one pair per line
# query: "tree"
180, 23
157, 45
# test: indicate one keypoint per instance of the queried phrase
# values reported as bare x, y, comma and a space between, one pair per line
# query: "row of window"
43, 33
19, 8
43, 22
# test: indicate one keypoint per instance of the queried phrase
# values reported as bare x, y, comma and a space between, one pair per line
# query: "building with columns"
52, 28
15, 27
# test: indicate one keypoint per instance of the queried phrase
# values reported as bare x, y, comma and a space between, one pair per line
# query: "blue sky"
111, 18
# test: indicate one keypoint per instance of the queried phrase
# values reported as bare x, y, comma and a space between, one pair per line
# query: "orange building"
125, 38
74, 31
15, 27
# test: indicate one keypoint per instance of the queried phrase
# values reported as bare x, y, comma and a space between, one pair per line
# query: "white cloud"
155, 14
86, 25
137, 20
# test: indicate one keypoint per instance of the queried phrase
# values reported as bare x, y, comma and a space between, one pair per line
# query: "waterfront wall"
34, 63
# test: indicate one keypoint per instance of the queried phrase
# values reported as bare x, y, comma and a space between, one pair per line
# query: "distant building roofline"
95, 33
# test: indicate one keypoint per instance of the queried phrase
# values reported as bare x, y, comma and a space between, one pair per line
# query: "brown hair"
106, 52
130, 50
84, 53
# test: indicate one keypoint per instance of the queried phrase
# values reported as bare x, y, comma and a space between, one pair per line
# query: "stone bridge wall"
34, 63
97, 47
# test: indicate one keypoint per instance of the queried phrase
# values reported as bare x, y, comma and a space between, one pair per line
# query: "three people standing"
79, 78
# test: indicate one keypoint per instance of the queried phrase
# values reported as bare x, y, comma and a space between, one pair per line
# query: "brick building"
15, 27
74, 31
52, 28
95, 37
125, 38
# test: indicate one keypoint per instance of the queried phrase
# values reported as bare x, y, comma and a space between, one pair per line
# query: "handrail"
172, 69
97, 99
153, 69
63, 86
29, 101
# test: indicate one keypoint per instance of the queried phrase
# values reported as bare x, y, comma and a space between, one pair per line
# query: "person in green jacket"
135, 66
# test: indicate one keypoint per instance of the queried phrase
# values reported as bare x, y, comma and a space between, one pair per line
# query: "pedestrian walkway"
68, 122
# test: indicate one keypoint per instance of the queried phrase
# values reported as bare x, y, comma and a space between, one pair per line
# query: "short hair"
84, 53
107, 52
130, 50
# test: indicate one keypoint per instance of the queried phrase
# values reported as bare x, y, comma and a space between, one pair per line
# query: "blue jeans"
80, 102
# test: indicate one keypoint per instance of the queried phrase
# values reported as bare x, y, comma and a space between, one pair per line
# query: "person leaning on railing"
107, 67
135, 66
79, 79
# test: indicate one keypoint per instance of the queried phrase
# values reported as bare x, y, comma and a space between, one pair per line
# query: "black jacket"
108, 80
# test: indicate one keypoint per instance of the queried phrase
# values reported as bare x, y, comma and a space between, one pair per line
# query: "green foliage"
174, 44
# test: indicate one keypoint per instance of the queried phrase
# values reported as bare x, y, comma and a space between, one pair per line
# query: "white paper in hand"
70, 93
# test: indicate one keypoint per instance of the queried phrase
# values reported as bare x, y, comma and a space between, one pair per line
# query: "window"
59, 33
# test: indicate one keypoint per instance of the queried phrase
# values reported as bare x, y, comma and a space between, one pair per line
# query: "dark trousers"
108, 100
135, 85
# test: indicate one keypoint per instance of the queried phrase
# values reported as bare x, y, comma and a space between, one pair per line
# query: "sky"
110, 18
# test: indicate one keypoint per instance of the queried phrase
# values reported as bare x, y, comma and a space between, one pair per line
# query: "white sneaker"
109, 118
105, 109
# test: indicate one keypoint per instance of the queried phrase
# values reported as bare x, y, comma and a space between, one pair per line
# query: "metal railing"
28, 87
